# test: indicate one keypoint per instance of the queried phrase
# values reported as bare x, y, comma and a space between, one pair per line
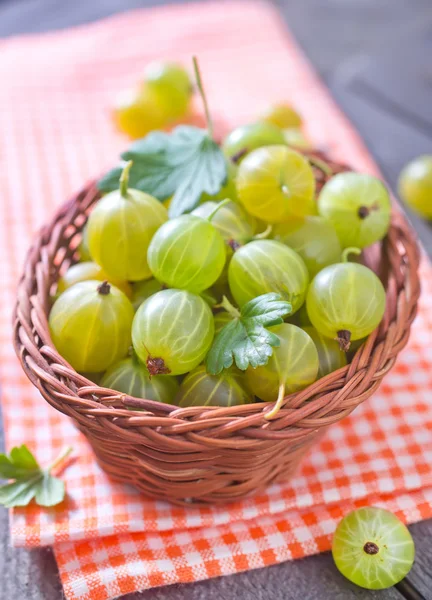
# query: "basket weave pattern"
202, 454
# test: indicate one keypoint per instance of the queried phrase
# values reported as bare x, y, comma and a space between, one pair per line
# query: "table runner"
55, 134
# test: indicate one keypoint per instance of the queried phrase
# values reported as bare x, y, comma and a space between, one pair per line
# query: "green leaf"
184, 164
245, 340
22, 457
30, 480
20, 492
49, 490
20, 463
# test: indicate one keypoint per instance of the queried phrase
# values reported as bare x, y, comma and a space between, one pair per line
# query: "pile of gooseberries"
149, 295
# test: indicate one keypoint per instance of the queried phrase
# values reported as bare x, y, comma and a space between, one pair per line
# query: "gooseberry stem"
60, 458
321, 164
349, 251
264, 234
276, 408
104, 288
220, 204
232, 310
203, 96
124, 179
344, 339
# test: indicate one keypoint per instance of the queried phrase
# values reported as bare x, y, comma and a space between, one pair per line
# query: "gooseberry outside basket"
203, 454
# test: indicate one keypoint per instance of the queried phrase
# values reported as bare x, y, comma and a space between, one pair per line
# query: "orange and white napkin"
55, 134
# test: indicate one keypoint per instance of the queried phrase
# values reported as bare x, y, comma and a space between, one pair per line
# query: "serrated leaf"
20, 492
184, 164
266, 309
245, 340
19, 463
23, 458
30, 480
49, 490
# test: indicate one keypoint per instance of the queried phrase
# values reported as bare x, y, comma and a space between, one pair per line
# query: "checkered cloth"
55, 133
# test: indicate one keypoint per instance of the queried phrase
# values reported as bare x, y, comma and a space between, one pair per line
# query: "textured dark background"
376, 58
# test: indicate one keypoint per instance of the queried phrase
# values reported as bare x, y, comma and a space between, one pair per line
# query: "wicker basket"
205, 455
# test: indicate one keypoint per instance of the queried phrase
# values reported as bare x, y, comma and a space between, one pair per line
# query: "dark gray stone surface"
375, 57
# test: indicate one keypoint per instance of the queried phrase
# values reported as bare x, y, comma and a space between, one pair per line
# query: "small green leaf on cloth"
184, 164
31, 481
245, 340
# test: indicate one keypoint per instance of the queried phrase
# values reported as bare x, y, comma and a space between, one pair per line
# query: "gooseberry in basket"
295, 138
199, 388
330, 356
83, 249
90, 325
346, 301
234, 224
313, 238
131, 377
187, 252
84, 271
282, 115
276, 183
358, 206
246, 138
373, 548
120, 229
141, 290
172, 332
264, 266
293, 366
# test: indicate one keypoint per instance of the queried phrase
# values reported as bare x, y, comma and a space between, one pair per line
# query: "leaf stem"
220, 204
124, 179
232, 310
276, 408
203, 96
349, 251
60, 458
264, 234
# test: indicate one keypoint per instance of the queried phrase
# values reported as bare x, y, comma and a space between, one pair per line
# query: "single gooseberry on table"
171, 88
136, 113
415, 185
373, 548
